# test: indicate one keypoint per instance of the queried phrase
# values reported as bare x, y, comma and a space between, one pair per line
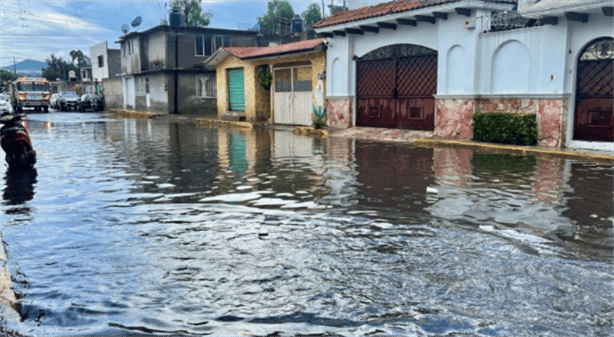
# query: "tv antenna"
125, 28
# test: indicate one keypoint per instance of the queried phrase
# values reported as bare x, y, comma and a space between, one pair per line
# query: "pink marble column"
454, 118
339, 113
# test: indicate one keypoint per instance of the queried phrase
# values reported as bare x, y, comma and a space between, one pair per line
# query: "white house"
432, 64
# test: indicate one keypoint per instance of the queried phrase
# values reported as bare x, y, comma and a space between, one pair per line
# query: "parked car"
53, 101
5, 104
68, 100
91, 102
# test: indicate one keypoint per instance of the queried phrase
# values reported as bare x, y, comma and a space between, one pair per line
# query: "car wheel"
46, 109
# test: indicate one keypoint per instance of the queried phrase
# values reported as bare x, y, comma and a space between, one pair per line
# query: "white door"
292, 98
130, 97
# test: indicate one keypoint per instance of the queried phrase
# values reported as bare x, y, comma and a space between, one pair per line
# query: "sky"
34, 30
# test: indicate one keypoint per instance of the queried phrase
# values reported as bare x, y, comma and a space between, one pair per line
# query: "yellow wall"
258, 102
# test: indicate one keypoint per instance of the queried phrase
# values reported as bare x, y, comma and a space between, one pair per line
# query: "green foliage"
193, 15
277, 10
312, 15
264, 77
7, 76
498, 163
505, 128
319, 117
57, 68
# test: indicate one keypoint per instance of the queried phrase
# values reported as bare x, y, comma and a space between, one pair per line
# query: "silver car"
68, 100
53, 101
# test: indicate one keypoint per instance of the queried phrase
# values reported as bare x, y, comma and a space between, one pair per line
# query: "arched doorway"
395, 87
593, 119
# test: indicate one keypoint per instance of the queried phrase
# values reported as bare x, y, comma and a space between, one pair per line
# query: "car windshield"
69, 94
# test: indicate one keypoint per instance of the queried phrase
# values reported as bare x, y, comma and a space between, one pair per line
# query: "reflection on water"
151, 227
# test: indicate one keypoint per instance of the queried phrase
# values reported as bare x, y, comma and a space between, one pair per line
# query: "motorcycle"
16, 143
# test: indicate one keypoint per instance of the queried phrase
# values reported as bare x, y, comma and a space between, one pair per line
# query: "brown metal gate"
397, 92
594, 93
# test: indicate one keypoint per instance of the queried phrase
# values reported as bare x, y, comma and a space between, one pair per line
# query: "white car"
5, 104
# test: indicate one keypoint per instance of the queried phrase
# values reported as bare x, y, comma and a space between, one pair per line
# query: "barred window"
206, 87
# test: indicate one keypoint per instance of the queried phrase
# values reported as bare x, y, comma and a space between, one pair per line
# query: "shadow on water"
167, 228
19, 186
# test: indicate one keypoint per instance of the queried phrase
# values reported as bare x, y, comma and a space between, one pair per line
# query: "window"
203, 45
218, 42
200, 48
140, 86
222, 41
206, 87
208, 45
100, 61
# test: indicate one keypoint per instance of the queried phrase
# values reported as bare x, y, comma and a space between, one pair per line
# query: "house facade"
430, 65
297, 72
106, 67
162, 68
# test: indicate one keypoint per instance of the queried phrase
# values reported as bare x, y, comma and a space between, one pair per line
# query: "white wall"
99, 73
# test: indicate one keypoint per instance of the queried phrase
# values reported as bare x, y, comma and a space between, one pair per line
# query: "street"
145, 226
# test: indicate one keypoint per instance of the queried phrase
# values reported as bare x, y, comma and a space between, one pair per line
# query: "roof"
245, 53
554, 8
387, 8
257, 52
201, 30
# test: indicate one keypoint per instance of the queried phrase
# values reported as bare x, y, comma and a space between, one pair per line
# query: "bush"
505, 128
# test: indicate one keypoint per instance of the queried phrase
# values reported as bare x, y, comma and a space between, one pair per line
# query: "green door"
236, 90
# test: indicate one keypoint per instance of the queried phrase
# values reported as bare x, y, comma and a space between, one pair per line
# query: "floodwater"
156, 227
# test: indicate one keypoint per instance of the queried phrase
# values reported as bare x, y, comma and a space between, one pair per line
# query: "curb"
133, 113
217, 122
426, 142
310, 131
7, 294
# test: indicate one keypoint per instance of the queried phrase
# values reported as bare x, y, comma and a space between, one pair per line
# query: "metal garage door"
396, 87
236, 90
594, 91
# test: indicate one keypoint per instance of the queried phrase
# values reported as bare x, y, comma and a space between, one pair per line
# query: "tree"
312, 15
57, 68
74, 54
193, 15
278, 11
6, 76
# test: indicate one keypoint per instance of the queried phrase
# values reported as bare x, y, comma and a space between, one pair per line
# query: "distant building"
106, 63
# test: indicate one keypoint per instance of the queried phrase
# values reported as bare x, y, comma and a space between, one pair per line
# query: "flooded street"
141, 226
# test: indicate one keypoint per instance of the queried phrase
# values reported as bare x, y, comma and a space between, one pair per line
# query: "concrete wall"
188, 100
97, 50
158, 96
112, 90
114, 62
131, 62
111, 59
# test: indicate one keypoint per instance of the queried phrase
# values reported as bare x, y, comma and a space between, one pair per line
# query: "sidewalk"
427, 139
415, 137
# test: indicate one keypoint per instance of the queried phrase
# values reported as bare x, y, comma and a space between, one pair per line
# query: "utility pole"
14, 66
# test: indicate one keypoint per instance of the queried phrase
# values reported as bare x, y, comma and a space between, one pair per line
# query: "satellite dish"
125, 28
136, 22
